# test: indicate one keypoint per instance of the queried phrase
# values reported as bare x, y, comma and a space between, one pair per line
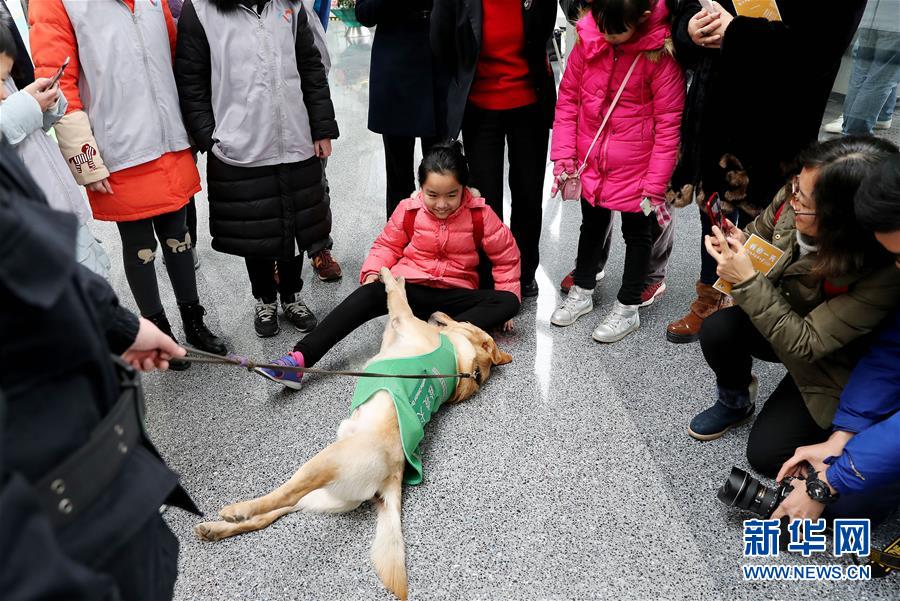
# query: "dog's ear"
498, 357
439, 319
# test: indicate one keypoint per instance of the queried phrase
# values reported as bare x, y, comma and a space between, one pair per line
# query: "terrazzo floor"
570, 476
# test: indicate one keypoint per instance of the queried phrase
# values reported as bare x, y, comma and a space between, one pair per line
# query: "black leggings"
262, 277
730, 342
139, 254
638, 233
487, 309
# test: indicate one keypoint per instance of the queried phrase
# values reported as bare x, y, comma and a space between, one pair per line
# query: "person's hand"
101, 186
46, 97
798, 505
734, 262
151, 349
323, 148
371, 278
702, 29
815, 455
717, 35
508, 326
564, 166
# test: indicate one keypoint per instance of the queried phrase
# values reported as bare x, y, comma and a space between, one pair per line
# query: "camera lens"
743, 491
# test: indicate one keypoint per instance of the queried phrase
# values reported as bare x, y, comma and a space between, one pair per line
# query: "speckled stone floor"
571, 475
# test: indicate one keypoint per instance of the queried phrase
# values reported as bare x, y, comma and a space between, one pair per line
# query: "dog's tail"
388, 551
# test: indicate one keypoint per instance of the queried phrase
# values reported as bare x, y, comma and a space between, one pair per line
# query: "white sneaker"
836, 126
578, 302
619, 323
884, 124
600, 275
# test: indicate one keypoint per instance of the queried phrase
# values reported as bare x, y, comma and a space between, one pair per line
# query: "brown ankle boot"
708, 301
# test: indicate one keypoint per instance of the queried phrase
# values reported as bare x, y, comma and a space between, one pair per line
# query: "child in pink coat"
630, 164
433, 241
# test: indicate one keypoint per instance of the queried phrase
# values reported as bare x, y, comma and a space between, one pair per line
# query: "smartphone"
708, 6
55, 79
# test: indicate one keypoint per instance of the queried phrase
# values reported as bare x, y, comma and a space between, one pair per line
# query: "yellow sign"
763, 255
765, 9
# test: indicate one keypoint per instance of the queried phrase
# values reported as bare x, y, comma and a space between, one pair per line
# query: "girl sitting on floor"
432, 240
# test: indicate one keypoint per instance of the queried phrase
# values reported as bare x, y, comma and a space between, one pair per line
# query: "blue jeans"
872, 93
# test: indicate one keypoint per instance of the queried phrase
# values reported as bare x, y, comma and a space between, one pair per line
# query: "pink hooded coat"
442, 252
636, 153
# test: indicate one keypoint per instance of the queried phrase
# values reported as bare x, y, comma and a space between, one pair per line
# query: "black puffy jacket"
260, 211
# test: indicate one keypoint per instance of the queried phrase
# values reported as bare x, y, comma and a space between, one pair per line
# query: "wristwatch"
817, 489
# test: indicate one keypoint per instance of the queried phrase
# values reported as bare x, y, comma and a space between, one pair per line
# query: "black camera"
745, 492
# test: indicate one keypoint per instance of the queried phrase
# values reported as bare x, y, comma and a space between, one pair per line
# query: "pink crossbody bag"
570, 185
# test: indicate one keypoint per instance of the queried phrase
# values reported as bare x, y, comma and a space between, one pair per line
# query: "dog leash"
250, 365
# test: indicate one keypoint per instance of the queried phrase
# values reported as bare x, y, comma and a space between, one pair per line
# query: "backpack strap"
409, 223
779, 211
477, 227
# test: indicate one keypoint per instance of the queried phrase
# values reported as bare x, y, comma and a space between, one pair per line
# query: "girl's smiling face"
442, 194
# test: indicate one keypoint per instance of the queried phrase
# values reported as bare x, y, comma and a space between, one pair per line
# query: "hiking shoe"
578, 302
288, 379
266, 321
325, 266
733, 408
196, 332
651, 292
569, 280
619, 323
298, 313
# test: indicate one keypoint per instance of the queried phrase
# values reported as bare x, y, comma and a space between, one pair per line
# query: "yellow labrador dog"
367, 461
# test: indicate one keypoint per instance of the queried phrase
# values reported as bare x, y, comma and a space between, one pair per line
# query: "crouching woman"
813, 312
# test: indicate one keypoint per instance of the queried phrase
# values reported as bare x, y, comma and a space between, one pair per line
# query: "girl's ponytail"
445, 158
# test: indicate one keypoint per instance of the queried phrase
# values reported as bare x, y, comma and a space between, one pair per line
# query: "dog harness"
414, 400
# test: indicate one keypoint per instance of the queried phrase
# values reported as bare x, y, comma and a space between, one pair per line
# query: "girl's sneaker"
619, 323
578, 302
289, 379
266, 321
298, 313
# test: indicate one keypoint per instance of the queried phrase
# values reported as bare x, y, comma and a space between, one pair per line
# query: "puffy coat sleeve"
827, 328
193, 76
668, 89
52, 40
314, 82
500, 247
565, 122
20, 115
388, 247
873, 390
869, 460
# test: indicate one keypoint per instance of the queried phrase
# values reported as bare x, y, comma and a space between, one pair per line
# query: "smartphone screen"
59, 73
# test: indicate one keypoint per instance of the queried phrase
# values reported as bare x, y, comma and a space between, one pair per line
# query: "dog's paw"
209, 531
236, 512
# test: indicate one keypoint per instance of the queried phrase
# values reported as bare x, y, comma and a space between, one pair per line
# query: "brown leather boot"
708, 301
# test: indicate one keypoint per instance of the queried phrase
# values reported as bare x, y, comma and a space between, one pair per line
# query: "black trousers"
262, 277
399, 163
146, 567
139, 253
487, 309
730, 342
522, 132
637, 229
191, 218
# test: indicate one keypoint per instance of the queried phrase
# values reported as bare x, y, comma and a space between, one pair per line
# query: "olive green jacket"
818, 339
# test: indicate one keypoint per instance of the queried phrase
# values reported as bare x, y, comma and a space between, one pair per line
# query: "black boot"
161, 322
196, 332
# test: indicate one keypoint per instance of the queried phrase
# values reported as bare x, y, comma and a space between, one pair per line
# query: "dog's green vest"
414, 400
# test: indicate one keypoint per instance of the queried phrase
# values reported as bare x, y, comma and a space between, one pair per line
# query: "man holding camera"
855, 473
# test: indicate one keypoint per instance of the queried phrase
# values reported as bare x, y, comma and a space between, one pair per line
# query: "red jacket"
442, 252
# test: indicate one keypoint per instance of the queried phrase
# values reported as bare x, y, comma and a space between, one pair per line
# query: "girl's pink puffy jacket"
442, 253
636, 153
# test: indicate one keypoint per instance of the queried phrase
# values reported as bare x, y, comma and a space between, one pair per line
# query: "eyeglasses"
715, 213
795, 198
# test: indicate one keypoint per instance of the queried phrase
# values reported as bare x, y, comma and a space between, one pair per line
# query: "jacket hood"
226, 6
649, 36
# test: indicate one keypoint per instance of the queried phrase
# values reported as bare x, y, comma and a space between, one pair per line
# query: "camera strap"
883, 562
